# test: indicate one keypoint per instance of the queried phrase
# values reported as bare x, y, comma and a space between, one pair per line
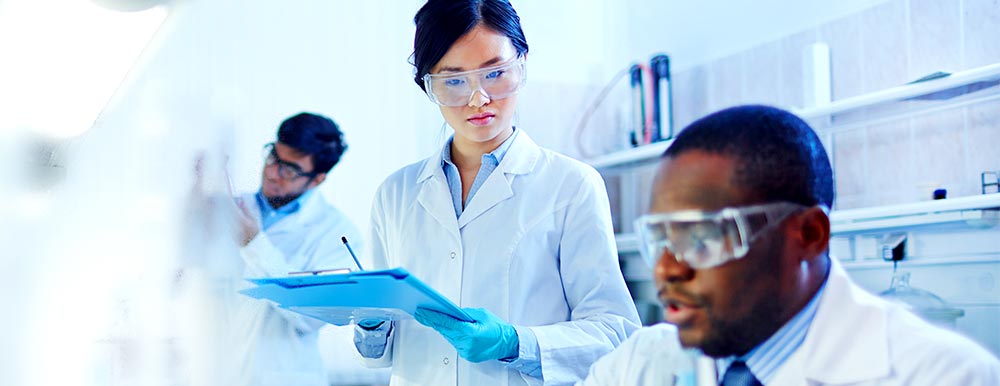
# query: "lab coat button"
453, 254
445, 361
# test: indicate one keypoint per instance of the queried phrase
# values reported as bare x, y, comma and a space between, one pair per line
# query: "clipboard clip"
321, 272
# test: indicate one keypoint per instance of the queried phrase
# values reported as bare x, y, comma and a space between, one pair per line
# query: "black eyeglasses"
286, 170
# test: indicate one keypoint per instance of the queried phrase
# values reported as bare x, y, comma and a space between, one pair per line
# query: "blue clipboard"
341, 298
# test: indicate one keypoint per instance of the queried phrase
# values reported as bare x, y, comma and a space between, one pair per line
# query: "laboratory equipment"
663, 114
641, 114
923, 303
991, 182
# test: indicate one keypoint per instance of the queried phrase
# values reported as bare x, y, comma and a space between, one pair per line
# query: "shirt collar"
765, 359
287, 209
495, 156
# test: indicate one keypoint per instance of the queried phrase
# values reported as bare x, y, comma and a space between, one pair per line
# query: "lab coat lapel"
520, 159
848, 341
435, 197
494, 190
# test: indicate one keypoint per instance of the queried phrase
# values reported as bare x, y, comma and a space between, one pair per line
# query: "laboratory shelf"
631, 156
948, 92
942, 89
951, 261
973, 211
981, 211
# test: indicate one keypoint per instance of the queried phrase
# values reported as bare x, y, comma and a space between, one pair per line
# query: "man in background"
738, 236
287, 226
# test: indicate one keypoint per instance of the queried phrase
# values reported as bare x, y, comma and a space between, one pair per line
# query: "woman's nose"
479, 98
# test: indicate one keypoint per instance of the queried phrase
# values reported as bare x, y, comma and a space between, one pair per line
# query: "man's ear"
317, 180
814, 232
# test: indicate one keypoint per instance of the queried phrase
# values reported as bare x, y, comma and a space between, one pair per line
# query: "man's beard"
739, 337
280, 201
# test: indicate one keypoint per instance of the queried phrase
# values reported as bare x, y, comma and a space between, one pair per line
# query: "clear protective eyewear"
286, 170
703, 239
457, 88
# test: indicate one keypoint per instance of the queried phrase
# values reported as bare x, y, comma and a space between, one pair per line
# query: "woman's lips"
481, 119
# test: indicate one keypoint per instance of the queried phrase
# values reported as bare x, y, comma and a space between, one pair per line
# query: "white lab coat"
855, 339
534, 246
279, 346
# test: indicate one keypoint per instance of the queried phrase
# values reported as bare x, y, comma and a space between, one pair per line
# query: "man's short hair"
779, 157
314, 135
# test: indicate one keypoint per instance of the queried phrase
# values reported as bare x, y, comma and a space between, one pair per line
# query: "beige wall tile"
792, 53
844, 38
884, 46
551, 113
690, 96
850, 161
763, 74
981, 23
935, 37
939, 153
848, 202
890, 155
725, 82
982, 142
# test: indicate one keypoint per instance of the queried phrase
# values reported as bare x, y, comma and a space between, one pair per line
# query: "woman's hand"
486, 338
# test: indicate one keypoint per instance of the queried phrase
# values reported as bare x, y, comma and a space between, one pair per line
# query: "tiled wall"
889, 162
887, 45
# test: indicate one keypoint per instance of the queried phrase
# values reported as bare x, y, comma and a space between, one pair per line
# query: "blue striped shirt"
765, 359
490, 161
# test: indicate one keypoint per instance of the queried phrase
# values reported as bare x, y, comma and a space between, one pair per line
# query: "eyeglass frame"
271, 153
774, 213
517, 60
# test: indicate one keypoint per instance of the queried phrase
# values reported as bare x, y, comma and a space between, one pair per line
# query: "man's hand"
247, 224
207, 204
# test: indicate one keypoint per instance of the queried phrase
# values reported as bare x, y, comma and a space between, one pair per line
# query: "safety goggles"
704, 239
457, 88
286, 170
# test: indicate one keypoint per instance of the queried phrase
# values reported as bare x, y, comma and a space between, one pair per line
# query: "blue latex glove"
371, 324
488, 338
371, 336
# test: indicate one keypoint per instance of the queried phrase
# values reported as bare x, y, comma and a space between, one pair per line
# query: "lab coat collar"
520, 158
848, 341
434, 196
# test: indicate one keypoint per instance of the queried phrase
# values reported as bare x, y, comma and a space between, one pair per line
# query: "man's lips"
679, 309
671, 302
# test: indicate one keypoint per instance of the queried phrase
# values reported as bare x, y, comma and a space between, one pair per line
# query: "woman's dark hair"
441, 22
780, 157
315, 135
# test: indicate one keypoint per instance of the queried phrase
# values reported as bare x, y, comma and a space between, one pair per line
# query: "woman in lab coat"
518, 235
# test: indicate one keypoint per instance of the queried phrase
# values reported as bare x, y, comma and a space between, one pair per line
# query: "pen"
344, 239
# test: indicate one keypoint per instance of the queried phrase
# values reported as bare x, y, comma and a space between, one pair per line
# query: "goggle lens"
457, 89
